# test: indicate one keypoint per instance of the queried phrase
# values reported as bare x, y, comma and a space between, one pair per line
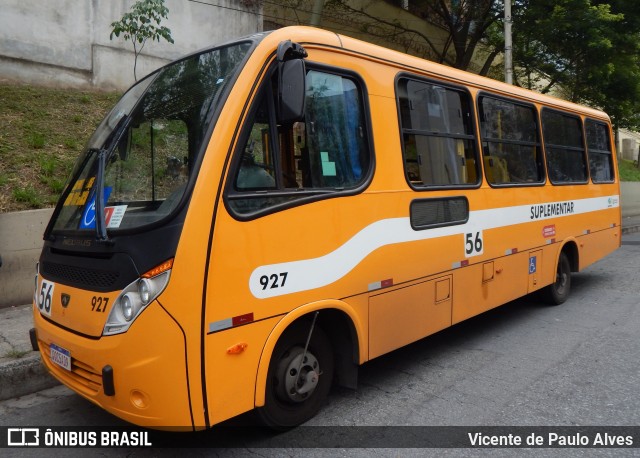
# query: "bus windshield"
141, 156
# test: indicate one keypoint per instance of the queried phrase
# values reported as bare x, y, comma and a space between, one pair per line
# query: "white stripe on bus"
302, 275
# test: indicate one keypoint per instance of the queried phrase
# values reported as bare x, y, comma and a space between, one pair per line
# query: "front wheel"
297, 382
558, 291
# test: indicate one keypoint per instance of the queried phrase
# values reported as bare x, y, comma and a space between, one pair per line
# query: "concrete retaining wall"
20, 246
65, 43
630, 198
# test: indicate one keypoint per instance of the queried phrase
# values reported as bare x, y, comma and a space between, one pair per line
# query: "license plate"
60, 356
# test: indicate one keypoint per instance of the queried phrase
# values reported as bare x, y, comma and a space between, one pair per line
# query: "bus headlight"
128, 306
145, 289
132, 301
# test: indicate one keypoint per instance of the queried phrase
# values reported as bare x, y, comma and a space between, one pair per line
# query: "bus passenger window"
437, 133
566, 162
256, 164
510, 143
599, 150
325, 152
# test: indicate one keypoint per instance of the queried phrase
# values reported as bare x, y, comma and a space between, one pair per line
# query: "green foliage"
141, 24
28, 195
47, 165
457, 29
628, 170
36, 140
586, 51
41, 133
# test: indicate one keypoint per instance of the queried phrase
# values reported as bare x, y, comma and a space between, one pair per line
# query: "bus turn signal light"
157, 270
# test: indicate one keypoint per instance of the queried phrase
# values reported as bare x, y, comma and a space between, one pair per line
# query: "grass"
628, 171
16, 354
42, 132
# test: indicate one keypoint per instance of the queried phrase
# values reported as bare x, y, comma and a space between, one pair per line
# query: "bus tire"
558, 291
288, 404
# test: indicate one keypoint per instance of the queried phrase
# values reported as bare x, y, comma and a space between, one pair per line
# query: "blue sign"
533, 264
88, 220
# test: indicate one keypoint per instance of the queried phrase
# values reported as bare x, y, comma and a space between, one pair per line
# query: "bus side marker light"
237, 348
227, 323
511, 251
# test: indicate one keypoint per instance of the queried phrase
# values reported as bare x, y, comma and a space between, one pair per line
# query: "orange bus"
252, 222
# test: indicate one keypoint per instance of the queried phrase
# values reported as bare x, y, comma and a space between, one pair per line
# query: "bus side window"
438, 142
563, 143
336, 148
599, 150
510, 142
256, 170
325, 152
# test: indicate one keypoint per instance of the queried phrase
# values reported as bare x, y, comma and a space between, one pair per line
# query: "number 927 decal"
273, 281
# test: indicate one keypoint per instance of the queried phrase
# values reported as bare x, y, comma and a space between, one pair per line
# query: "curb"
24, 376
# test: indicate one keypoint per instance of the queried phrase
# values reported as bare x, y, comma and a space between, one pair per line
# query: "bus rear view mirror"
291, 81
292, 89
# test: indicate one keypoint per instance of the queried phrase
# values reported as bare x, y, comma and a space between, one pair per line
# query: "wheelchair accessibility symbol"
532, 264
88, 220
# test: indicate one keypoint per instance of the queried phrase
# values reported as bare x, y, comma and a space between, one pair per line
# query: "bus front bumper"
139, 376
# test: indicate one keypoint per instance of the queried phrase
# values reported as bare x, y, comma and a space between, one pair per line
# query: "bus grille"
80, 275
82, 377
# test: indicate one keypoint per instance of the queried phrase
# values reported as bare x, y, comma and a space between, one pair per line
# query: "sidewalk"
21, 371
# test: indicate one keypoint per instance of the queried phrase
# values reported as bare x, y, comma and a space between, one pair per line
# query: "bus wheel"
297, 382
558, 292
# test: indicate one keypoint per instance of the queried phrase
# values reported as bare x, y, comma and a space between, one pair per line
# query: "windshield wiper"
101, 229
103, 153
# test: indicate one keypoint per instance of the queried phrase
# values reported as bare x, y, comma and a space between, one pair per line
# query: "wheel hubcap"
298, 375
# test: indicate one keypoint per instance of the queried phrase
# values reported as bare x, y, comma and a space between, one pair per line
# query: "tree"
586, 51
141, 24
467, 25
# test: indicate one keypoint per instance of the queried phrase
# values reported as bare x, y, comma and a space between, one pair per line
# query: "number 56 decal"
44, 297
473, 244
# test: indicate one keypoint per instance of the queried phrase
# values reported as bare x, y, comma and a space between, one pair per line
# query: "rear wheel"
297, 382
558, 291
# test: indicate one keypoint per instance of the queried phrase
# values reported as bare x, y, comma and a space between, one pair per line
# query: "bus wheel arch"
559, 290
278, 404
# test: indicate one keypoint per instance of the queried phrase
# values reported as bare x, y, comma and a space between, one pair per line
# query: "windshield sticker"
80, 192
88, 220
113, 216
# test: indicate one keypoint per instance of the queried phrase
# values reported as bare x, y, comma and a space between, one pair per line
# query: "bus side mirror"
291, 82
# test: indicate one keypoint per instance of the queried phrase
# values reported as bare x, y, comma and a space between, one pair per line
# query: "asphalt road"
523, 364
